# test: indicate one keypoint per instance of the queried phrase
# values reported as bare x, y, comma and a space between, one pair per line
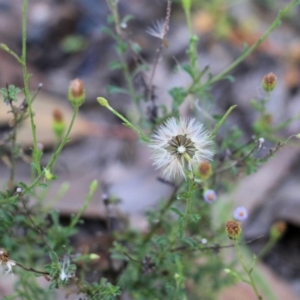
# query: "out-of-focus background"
66, 41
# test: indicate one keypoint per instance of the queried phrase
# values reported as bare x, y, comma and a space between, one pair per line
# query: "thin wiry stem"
220, 170
159, 49
166, 207
33, 223
32, 269
50, 163
247, 271
246, 53
215, 247
26, 76
13, 147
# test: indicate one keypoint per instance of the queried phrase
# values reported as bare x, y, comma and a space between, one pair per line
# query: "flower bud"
76, 92
233, 229
269, 82
278, 229
263, 123
58, 124
205, 170
48, 174
102, 101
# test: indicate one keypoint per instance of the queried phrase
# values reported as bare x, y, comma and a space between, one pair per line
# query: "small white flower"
204, 241
157, 29
179, 145
240, 213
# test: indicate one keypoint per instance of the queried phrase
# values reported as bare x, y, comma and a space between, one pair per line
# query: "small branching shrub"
181, 256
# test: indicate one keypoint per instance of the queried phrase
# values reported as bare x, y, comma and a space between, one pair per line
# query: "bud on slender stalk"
76, 92
58, 124
205, 170
102, 101
233, 229
269, 82
48, 174
278, 229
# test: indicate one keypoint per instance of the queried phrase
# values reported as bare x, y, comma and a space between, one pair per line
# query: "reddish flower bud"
76, 92
278, 229
269, 82
58, 125
205, 170
233, 229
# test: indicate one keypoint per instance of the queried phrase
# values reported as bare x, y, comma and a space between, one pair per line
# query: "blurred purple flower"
210, 196
240, 213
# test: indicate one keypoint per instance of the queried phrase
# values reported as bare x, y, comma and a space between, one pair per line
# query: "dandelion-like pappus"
5, 259
179, 146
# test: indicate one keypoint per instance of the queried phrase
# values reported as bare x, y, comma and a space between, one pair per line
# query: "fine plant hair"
182, 253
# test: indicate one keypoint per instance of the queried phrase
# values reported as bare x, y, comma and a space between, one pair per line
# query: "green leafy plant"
180, 256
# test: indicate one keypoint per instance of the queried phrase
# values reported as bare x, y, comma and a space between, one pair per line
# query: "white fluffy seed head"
179, 145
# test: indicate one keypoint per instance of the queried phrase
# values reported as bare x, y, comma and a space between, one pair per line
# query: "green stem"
50, 163
237, 162
64, 141
129, 124
113, 6
13, 147
88, 199
247, 52
187, 211
187, 10
102, 101
247, 271
163, 211
11, 52
36, 152
231, 108
128, 79
188, 206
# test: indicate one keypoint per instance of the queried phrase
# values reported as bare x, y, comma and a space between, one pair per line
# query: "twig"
159, 49
131, 258
162, 213
215, 247
279, 145
32, 270
246, 53
247, 271
33, 224
26, 76
50, 163
220, 170
13, 138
